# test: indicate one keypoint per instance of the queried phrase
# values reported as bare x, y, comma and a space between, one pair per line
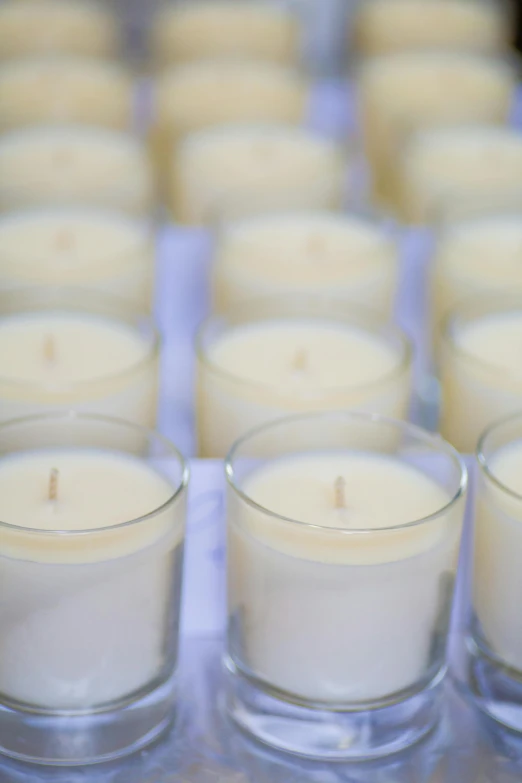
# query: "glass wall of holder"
91, 586
76, 348
343, 539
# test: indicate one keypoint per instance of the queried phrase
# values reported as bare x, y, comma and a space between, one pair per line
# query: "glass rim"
434, 440
91, 297
404, 362
72, 416
484, 462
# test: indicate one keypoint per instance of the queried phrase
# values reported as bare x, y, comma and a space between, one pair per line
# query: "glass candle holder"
385, 26
402, 93
354, 255
82, 27
234, 171
64, 88
268, 358
66, 348
103, 249
91, 587
343, 538
480, 347
74, 164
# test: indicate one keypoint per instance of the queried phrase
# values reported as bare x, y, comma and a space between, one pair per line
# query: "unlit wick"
315, 245
300, 361
53, 485
64, 241
340, 493
49, 349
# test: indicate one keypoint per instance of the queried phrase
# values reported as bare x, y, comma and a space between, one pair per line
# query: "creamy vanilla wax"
65, 89
29, 27
346, 255
396, 25
444, 167
406, 92
81, 246
75, 164
232, 170
200, 29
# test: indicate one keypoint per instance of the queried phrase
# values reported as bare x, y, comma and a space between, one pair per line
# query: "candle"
446, 166
102, 249
90, 615
305, 252
327, 571
72, 89
384, 26
63, 348
248, 91
69, 26
270, 358
402, 93
233, 170
47, 164
480, 351
198, 30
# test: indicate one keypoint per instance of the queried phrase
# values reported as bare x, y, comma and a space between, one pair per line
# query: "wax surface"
494, 339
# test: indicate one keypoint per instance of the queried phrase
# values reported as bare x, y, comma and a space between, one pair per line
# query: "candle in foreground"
49, 26
443, 167
232, 171
348, 255
200, 29
65, 89
480, 361
402, 93
267, 359
89, 616
384, 26
78, 246
75, 164
342, 555
64, 348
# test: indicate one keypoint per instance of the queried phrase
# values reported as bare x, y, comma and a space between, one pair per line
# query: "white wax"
234, 170
402, 93
84, 621
333, 616
52, 359
498, 556
67, 89
103, 249
79, 164
443, 167
481, 376
395, 25
253, 373
306, 252
29, 27
226, 28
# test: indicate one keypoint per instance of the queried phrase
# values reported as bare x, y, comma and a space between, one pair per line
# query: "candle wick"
49, 349
53, 485
340, 493
315, 245
64, 241
300, 361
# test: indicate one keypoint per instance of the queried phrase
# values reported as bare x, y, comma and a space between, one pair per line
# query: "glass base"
71, 739
331, 736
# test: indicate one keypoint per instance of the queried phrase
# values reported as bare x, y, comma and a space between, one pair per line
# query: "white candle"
270, 256
72, 89
69, 26
197, 30
200, 95
252, 371
102, 249
402, 93
47, 164
480, 360
67, 358
395, 25
234, 170
443, 167
344, 612
84, 620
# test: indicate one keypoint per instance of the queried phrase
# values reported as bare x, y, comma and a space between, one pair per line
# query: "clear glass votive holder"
64, 348
343, 539
91, 587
